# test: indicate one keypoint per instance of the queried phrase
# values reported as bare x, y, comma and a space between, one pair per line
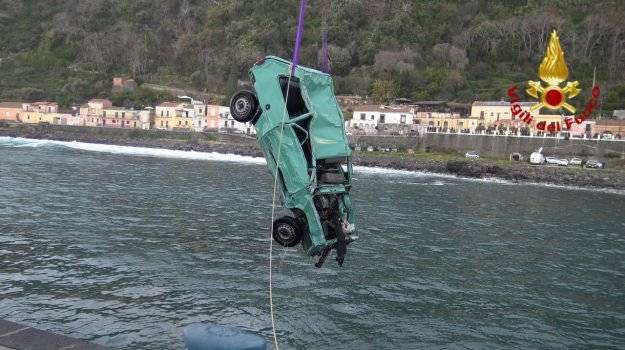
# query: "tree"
384, 91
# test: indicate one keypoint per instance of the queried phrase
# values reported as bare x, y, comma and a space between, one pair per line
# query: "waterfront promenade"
14, 336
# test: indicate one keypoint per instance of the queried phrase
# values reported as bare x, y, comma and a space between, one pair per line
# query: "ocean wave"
130, 150
7, 141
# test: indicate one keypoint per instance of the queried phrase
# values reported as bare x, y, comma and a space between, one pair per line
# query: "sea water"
125, 246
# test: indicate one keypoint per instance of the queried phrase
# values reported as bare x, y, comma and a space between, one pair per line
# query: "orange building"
10, 110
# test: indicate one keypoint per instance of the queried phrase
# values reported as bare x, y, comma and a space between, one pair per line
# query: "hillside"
67, 50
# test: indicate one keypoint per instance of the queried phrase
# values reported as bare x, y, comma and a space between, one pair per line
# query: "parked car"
552, 160
562, 162
591, 163
575, 161
314, 167
472, 155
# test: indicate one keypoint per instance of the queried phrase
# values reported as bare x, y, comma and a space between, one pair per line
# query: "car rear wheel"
287, 231
244, 106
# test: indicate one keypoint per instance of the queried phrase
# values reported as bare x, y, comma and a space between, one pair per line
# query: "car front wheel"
287, 231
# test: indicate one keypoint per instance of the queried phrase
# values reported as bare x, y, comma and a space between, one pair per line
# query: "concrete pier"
14, 336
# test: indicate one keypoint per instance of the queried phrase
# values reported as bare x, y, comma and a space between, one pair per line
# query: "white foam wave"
214, 156
131, 150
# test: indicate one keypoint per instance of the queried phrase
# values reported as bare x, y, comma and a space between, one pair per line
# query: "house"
229, 125
490, 112
118, 117
124, 83
42, 107
10, 110
374, 118
164, 114
619, 114
146, 118
213, 117
609, 126
92, 112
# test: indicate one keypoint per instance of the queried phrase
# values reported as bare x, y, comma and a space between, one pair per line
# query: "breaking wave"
6, 141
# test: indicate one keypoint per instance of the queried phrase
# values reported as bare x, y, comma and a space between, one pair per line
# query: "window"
161, 123
104, 114
497, 116
492, 114
382, 116
167, 113
127, 121
167, 124
186, 122
402, 119
123, 115
116, 115
180, 122
362, 116
372, 118
200, 110
161, 114
481, 114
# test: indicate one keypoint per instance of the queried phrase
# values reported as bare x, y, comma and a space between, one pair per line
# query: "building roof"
501, 103
11, 105
44, 103
117, 109
611, 122
382, 108
168, 104
99, 100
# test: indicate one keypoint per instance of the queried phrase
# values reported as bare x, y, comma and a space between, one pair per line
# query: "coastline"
520, 172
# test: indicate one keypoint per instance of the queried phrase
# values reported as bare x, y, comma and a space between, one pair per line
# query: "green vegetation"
68, 50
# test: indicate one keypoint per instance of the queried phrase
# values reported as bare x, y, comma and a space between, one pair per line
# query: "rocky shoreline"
241, 145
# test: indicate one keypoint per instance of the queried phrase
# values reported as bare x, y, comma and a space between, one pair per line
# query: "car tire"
244, 106
287, 231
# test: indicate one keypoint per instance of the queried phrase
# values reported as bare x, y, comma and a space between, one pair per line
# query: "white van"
537, 157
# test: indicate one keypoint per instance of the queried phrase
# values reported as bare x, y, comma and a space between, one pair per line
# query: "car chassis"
299, 127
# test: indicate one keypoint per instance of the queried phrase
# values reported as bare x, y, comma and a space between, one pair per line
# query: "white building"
368, 118
227, 124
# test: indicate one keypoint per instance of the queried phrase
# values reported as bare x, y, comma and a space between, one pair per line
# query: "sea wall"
496, 146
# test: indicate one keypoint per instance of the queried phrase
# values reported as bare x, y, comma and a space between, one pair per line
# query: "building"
619, 114
123, 83
118, 117
213, 117
490, 112
164, 114
146, 118
92, 112
42, 107
10, 111
371, 119
609, 126
227, 123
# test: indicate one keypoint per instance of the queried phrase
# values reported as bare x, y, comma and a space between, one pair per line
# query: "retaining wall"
496, 146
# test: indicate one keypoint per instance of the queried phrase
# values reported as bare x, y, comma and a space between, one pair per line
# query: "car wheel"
244, 106
287, 231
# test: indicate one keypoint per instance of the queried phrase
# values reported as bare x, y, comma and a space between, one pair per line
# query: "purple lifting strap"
298, 36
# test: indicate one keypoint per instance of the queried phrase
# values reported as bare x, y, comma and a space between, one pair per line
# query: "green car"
305, 132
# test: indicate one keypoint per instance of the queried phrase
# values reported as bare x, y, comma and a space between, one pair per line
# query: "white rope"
273, 207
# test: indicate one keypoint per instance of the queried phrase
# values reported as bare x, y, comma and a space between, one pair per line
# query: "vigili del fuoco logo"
553, 71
